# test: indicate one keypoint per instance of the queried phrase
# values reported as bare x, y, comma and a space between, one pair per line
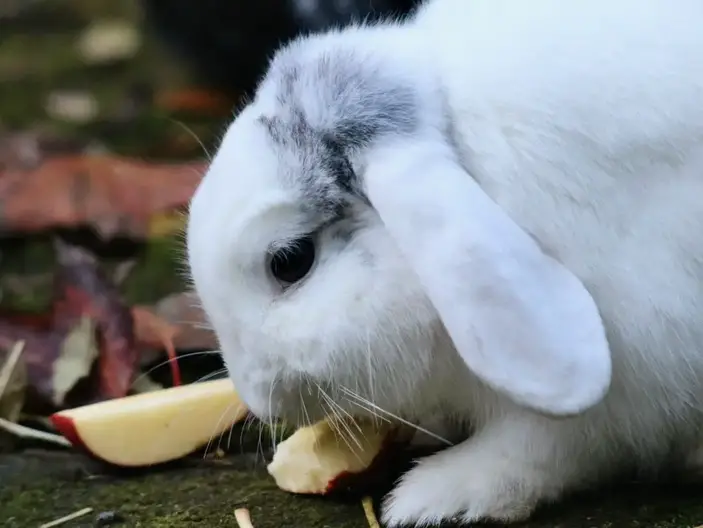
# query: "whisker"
308, 422
259, 445
231, 428
335, 422
229, 437
370, 410
167, 361
217, 425
246, 426
212, 374
364, 403
338, 422
192, 133
345, 423
272, 431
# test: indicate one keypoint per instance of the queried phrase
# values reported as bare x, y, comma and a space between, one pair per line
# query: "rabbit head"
348, 263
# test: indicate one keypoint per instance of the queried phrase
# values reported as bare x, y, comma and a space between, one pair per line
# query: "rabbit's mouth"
308, 400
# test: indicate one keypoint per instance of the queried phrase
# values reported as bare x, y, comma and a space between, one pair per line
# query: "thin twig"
35, 434
367, 504
67, 518
241, 515
10, 365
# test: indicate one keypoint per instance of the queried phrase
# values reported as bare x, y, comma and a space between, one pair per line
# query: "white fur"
583, 122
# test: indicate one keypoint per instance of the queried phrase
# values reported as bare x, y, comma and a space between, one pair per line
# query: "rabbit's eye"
292, 264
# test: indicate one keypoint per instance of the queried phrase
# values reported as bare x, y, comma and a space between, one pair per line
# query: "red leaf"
113, 195
82, 289
88, 319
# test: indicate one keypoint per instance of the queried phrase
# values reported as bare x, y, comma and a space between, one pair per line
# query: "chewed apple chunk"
153, 427
313, 458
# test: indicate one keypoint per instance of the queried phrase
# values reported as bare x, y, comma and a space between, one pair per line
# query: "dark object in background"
108, 518
315, 15
229, 42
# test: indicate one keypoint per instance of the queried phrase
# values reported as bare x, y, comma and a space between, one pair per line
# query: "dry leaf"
77, 352
112, 195
88, 321
54, 361
83, 289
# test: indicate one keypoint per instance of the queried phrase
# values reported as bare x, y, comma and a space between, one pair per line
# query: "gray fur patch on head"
330, 103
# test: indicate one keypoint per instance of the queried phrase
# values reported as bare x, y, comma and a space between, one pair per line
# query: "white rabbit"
490, 213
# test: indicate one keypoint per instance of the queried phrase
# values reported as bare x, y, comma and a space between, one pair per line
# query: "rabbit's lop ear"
521, 321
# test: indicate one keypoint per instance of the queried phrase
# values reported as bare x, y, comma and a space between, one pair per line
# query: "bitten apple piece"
314, 458
154, 427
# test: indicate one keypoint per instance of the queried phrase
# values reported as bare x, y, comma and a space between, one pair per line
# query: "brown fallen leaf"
88, 322
82, 288
115, 196
54, 361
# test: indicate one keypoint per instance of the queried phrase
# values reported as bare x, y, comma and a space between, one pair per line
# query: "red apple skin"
67, 428
350, 478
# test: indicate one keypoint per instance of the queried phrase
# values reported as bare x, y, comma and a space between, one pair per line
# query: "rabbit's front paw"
458, 485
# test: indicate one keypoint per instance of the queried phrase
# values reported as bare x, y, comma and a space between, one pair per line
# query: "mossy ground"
39, 486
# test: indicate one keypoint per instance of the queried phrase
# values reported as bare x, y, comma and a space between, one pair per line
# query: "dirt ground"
40, 486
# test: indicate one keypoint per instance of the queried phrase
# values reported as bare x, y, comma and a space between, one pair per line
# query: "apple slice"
313, 459
153, 427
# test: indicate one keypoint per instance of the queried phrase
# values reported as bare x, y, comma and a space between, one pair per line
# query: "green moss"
27, 266
156, 273
26, 269
38, 487
182, 497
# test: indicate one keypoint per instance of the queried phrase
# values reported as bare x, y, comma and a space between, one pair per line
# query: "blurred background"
108, 110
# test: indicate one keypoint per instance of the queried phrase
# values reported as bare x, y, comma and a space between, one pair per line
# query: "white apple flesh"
153, 427
313, 459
